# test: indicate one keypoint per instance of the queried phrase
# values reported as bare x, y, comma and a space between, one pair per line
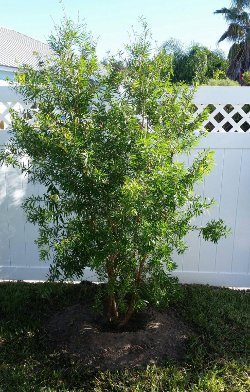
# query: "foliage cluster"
196, 63
106, 145
222, 82
247, 78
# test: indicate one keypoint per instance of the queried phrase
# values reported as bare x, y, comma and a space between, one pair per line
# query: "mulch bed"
151, 337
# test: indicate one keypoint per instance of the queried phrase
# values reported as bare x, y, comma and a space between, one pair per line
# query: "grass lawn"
216, 358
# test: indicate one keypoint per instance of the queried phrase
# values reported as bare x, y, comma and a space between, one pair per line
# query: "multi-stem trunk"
132, 302
112, 312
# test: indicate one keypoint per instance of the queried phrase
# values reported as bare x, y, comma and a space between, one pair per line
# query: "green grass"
216, 358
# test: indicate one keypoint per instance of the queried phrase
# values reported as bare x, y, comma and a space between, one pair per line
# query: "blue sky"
111, 20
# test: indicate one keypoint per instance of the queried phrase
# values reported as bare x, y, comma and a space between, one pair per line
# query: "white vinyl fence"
224, 264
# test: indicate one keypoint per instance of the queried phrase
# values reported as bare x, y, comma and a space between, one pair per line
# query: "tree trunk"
112, 310
240, 63
129, 314
234, 70
131, 306
112, 313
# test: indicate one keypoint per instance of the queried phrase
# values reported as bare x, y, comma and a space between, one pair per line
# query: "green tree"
238, 32
105, 144
196, 63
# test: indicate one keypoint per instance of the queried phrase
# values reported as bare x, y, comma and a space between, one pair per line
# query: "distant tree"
238, 32
196, 63
105, 143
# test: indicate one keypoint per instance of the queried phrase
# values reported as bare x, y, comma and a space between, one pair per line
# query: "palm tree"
238, 33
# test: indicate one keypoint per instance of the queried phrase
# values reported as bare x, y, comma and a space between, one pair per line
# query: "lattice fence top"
5, 119
9, 99
229, 108
226, 118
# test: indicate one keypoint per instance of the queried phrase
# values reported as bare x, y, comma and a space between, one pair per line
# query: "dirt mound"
152, 337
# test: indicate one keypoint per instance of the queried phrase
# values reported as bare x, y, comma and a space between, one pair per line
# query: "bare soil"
151, 337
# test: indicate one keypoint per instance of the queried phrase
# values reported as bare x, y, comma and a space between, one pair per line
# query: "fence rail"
224, 264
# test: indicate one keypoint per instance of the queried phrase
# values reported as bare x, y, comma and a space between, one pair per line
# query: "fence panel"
225, 264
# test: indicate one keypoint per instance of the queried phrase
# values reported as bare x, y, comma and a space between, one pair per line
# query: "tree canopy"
106, 145
238, 33
195, 63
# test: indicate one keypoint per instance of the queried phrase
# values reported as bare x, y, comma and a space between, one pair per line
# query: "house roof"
17, 49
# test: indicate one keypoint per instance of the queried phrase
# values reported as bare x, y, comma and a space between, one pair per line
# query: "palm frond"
233, 15
243, 17
241, 4
224, 36
222, 11
236, 32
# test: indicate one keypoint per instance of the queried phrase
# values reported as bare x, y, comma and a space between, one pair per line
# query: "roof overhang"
8, 69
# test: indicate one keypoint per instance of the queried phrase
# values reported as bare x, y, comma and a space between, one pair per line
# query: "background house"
17, 49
